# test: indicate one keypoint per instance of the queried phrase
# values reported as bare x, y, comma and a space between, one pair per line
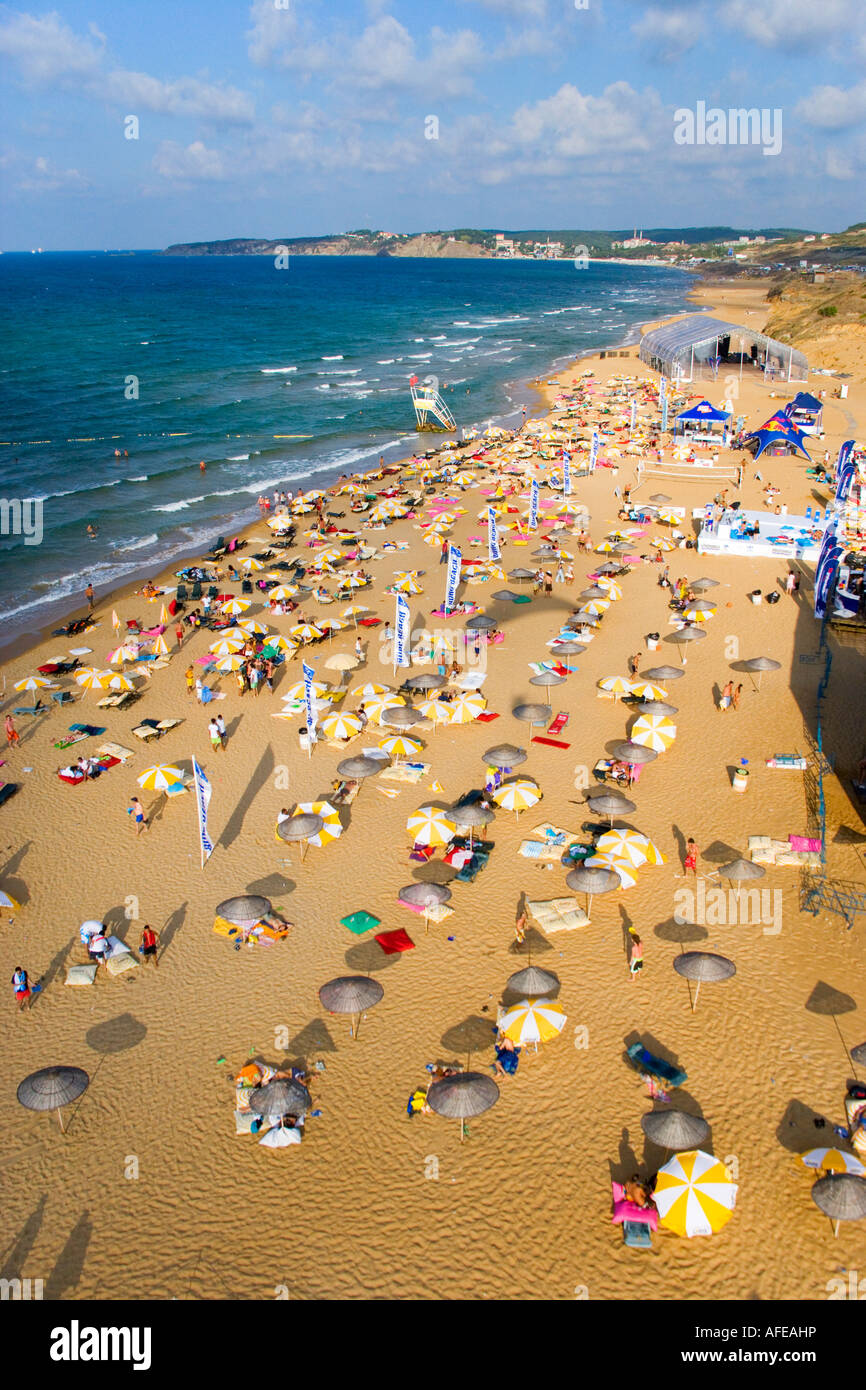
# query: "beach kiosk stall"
806, 413
759, 533
704, 423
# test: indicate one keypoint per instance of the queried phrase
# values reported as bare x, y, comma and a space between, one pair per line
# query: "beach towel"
803, 842
81, 974
360, 922
394, 942
551, 742
487, 717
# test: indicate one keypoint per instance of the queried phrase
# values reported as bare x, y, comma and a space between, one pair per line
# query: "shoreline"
242, 524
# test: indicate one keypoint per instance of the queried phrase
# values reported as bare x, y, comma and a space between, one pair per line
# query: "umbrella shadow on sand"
434, 871
272, 886
367, 957
534, 944
314, 1037
829, 1001
718, 852
116, 1034
472, 1034
802, 1128
681, 933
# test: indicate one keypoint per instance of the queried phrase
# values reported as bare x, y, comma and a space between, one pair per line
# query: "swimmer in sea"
92, 531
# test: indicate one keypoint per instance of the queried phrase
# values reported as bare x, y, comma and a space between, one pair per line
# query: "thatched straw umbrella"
470, 817
351, 994
427, 681
657, 707
52, 1088
686, 635
532, 982
301, 827
504, 755
358, 768
592, 882
674, 1129
610, 804
703, 965
425, 895
463, 1096
280, 1097
841, 1196
665, 673
547, 679
629, 752
760, 664
532, 714
246, 910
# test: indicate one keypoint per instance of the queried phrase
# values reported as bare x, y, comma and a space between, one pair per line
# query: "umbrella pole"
60, 1118
836, 1231
695, 1001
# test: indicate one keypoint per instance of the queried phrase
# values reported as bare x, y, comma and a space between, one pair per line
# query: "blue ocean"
273, 377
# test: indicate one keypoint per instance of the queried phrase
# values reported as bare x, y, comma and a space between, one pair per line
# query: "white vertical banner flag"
493, 537
593, 451
401, 636
202, 801
633, 416
533, 505
455, 560
309, 673
663, 388
566, 473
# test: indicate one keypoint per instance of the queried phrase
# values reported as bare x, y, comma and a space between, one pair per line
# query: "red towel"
393, 942
551, 742
487, 717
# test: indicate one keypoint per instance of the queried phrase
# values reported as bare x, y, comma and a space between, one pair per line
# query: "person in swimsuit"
635, 962
691, 859
21, 986
149, 945
136, 810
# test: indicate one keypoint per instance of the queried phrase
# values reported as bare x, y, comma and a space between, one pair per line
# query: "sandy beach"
151, 1194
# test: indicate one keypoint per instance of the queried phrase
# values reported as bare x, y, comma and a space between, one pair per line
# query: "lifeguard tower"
431, 412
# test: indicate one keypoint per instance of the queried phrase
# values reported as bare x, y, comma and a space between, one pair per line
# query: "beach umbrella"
341, 661
91, 679
517, 796
480, 623
592, 882
400, 746
703, 965
353, 611
648, 691
694, 1194
741, 870
660, 498
547, 679
471, 816
594, 591
841, 1196
504, 755
532, 714
430, 825
662, 543
282, 592
630, 752
159, 646
52, 1088
296, 692
674, 1129
697, 613
246, 910
424, 896
531, 981
233, 606
619, 685
306, 632
521, 574
230, 663
654, 731
656, 707
533, 1020
403, 717
630, 845
158, 779
467, 707
687, 634
280, 644
463, 1096
226, 646
609, 567
701, 585
370, 690
409, 585
251, 563
758, 665
833, 1161
7, 901
439, 711
351, 994
280, 1097
252, 627
375, 706
358, 769
622, 867
332, 827
610, 804
40, 683
567, 648
604, 547
665, 673
120, 682
426, 681
300, 827
280, 1137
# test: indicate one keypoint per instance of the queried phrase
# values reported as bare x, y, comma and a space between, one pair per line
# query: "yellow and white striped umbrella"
518, 795
662, 543
365, 692
226, 646
331, 830
157, 779
91, 679
620, 685
352, 581
233, 606
699, 615
301, 508
120, 682
437, 710
280, 522
252, 626
7, 901
614, 590
630, 845
409, 585
466, 707
282, 644
232, 662
604, 547
354, 609
305, 632
40, 682
296, 692
656, 731
374, 706
533, 1020
695, 1194
670, 517
343, 724
430, 826
159, 646
164, 616
465, 479
251, 563
594, 607
647, 691
281, 592
618, 865
331, 625
833, 1161
401, 746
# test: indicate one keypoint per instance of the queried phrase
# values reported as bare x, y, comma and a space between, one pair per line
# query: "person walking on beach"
149, 944
196, 684
735, 698
635, 960
789, 583
136, 810
443, 553
727, 695
691, 859
634, 664
21, 986
88, 594
223, 731
178, 632
13, 738
213, 729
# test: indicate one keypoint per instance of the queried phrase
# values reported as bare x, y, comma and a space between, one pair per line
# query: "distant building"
504, 246
634, 242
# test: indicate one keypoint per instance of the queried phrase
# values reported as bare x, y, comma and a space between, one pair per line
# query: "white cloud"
834, 108
668, 34
571, 125
45, 49
191, 164
45, 177
792, 23
187, 96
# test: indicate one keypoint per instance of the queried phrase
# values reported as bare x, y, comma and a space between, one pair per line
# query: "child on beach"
136, 810
691, 859
213, 729
21, 986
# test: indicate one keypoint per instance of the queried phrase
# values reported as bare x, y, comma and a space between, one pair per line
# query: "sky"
304, 117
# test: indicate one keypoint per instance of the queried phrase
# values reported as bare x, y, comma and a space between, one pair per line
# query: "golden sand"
151, 1194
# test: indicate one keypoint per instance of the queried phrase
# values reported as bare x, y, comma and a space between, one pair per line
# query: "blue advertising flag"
533, 505
454, 561
493, 537
633, 415
593, 451
844, 470
566, 473
202, 800
308, 704
401, 640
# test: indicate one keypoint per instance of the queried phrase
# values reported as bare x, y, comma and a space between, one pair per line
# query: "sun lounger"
62, 697
558, 724
120, 701
32, 709
405, 772
7, 791
655, 1066
551, 742
558, 914
346, 792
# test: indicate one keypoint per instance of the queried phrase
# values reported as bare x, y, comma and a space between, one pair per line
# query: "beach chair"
212, 591
656, 1067
196, 591
181, 593
38, 708
62, 697
246, 586
636, 1235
